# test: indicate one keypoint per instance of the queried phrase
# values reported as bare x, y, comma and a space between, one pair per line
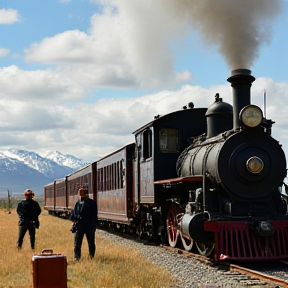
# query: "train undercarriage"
161, 225
177, 225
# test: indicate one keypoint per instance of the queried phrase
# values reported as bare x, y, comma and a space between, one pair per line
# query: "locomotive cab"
158, 145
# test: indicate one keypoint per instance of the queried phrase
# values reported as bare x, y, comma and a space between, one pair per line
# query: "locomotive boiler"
236, 208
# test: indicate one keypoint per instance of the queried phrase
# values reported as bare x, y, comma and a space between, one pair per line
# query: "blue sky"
98, 70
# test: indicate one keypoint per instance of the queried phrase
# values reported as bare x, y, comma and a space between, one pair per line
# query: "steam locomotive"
222, 198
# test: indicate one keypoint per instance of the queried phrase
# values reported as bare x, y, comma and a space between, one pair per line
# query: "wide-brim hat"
28, 192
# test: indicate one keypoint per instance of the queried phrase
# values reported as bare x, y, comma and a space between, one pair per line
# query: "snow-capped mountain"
63, 160
20, 169
16, 177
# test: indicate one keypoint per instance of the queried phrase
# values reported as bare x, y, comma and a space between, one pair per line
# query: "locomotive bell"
219, 117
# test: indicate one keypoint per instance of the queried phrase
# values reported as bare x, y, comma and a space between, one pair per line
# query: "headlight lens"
255, 165
251, 116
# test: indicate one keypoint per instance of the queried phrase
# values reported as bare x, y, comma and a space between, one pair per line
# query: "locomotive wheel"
187, 242
205, 249
172, 225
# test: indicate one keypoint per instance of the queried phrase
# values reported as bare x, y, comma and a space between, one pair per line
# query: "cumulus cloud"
129, 44
4, 52
69, 46
22, 116
90, 131
122, 49
40, 85
9, 16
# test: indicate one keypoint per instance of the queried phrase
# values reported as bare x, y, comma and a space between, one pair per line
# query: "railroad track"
259, 275
245, 276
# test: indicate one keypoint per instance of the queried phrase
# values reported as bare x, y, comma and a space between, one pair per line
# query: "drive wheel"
172, 225
187, 242
205, 249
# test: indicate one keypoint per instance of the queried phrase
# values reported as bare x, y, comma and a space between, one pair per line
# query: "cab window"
147, 144
169, 140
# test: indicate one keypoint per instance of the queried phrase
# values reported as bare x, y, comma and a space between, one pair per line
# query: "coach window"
105, 178
147, 144
109, 177
118, 175
100, 179
169, 140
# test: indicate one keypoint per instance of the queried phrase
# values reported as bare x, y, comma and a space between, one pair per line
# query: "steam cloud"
237, 27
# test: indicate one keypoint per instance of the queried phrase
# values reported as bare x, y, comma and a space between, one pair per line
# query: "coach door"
146, 167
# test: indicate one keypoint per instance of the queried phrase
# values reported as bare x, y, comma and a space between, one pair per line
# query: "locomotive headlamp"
251, 116
255, 165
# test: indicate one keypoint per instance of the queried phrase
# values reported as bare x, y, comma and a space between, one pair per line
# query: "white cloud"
129, 43
69, 46
125, 47
40, 85
93, 130
9, 16
4, 52
122, 49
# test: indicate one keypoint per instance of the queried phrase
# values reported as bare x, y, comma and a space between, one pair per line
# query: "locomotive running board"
235, 241
198, 178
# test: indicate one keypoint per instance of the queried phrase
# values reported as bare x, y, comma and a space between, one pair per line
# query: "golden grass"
113, 266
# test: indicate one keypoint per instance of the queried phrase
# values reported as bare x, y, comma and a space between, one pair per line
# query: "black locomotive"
223, 197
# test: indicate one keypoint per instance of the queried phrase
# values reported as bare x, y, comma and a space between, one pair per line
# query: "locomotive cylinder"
192, 226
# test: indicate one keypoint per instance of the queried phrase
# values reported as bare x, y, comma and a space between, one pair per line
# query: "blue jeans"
78, 239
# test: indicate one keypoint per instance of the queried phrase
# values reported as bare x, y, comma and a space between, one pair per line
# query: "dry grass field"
113, 266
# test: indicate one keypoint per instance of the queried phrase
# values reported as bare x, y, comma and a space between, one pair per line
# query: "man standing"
85, 214
28, 211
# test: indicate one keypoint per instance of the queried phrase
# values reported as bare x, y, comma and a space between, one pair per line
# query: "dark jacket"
85, 213
28, 211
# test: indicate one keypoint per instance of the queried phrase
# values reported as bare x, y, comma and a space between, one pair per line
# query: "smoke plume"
236, 27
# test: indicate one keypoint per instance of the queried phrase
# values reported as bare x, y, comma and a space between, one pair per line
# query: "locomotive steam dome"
219, 117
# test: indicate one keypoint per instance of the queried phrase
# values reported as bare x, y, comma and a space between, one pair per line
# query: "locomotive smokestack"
241, 81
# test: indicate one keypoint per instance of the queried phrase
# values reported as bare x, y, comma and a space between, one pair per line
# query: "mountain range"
20, 169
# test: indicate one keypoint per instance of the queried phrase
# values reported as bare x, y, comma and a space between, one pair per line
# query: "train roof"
80, 169
187, 112
49, 184
115, 151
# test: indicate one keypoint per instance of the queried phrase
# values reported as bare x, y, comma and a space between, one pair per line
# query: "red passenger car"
61, 199
49, 198
115, 179
85, 177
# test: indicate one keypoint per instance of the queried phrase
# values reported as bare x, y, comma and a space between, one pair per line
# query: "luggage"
49, 270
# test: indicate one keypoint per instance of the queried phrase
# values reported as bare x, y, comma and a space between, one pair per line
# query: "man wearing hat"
28, 211
85, 214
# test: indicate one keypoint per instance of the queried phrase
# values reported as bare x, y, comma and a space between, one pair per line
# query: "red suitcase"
49, 270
